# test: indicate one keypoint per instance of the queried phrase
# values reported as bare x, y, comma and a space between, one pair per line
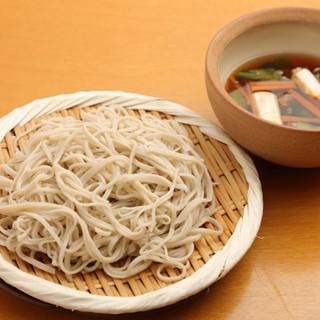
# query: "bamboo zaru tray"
238, 207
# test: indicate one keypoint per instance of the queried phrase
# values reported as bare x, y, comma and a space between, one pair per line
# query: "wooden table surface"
158, 48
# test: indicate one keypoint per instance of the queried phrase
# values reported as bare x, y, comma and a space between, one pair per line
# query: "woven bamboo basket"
238, 203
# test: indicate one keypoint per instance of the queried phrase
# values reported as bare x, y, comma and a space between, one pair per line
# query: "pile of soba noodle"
109, 191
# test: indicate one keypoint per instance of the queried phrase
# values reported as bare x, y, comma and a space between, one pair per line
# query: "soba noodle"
109, 191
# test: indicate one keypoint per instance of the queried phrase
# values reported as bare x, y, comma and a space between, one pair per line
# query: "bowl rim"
241, 24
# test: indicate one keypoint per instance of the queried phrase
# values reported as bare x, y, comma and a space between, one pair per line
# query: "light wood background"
157, 48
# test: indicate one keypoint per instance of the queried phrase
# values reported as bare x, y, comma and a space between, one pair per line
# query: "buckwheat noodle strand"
108, 191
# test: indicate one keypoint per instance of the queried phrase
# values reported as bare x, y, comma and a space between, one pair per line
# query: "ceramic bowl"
270, 31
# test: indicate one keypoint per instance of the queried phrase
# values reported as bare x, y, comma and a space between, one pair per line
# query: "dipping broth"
283, 88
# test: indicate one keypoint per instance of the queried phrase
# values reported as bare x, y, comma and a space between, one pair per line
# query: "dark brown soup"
283, 88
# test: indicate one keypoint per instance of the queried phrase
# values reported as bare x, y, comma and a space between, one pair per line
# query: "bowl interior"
270, 38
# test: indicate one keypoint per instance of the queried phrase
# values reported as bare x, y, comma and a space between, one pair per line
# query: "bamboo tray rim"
221, 263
